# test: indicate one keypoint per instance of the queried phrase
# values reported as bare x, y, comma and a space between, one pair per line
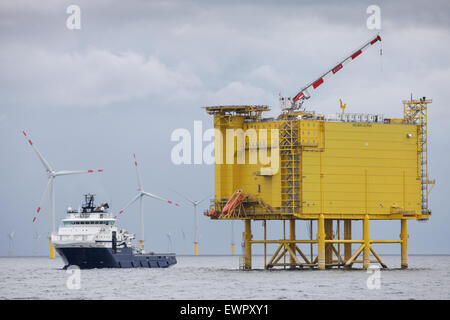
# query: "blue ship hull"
90, 258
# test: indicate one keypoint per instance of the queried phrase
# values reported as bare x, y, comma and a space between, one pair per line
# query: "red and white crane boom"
305, 92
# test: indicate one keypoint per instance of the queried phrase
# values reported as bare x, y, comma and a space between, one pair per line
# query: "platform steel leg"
310, 238
366, 238
328, 246
265, 244
347, 236
292, 258
247, 245
404, 249
321, 242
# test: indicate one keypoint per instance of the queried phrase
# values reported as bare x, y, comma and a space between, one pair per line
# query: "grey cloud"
92, 78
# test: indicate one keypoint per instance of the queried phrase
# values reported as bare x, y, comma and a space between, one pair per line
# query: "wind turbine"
232, 237
11, 243
169, 243
184, 241
195, 203
36, 237
52, 174
140, 195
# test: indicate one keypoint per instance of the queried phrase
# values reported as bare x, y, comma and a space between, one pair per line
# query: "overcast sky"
137, 70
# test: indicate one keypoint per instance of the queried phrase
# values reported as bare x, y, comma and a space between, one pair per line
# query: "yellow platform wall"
364, 166
348, 168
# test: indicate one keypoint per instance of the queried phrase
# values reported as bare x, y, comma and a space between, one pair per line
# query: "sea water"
219, 277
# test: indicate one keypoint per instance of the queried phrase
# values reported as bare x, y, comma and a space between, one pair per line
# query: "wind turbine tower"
184, 241
169, 242
232, 238
11, 243
194, 203
140, 195
36, 238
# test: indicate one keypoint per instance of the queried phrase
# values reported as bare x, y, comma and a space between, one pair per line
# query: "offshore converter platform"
326, 170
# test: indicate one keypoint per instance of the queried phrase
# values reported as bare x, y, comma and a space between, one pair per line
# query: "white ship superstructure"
89, 238
90, 227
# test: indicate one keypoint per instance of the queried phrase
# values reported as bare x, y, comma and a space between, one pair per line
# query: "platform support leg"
366, 238
404, 237
328, 246
347, 236
292, 257
265, 244
311, 248
321, 242
247, 245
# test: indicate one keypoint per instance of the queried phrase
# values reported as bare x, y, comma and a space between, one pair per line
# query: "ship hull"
90, 258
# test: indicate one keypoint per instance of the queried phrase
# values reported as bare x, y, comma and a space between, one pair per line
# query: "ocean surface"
219, 277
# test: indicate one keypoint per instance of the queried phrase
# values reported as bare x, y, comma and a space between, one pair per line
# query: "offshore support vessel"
89, 238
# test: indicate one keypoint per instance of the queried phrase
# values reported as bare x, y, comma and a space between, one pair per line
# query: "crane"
289, 104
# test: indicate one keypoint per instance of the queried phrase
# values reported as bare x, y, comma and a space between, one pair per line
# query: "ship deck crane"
291, 104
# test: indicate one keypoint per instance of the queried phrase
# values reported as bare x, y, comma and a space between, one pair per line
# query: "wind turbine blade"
44, 162
139, 180
154, 196
47, 189
159, 198
190, 200
67, 172
130, 203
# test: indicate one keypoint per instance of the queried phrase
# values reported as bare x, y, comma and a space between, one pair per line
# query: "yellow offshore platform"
329, 170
